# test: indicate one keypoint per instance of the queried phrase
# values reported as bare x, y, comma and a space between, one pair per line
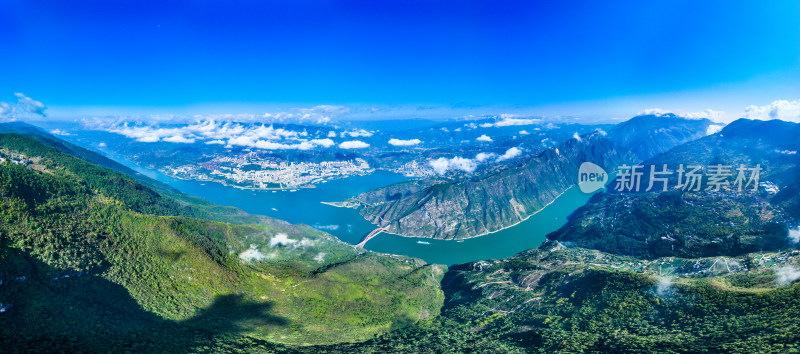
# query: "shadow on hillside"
88, 313
172, 255
235, 314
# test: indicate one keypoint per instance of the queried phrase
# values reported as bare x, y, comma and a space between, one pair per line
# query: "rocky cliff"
464, 209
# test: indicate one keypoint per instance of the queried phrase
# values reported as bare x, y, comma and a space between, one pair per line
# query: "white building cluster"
257, 173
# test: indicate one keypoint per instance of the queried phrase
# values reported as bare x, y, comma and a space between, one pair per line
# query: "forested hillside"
90, 253
568, 300
91, 259
470, 208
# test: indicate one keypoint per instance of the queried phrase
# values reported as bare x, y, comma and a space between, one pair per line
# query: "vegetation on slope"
464, 209
80, 242
157, 278
676, 223
555, 299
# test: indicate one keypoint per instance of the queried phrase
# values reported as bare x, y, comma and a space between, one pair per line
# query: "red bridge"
371, 235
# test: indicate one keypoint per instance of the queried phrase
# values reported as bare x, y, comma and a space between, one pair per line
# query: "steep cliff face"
649, 135
457, 210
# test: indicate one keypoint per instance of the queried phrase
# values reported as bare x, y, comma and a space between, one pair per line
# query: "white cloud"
714, 128
399, 142
179, 139
786, 275
30, 105
356, 133
148, 139
252, 254
24, 106
577, 137
523, 132
484, 137
794, 235
320, 257
442, 165
331, 134
510, 154
507, 122
281, 239
708, 113
483, 156
5, 110
353, 144
663, 286
260, 136
787, 152
102, 144
60, 132
321, 114
780, 109
323, 142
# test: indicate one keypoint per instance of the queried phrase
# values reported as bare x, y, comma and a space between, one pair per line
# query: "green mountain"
688, 223
655, 272
677, 224
649, 135
572, 300
464, 209
92, 259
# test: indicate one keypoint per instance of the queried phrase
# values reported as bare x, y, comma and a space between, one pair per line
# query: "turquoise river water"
304, 206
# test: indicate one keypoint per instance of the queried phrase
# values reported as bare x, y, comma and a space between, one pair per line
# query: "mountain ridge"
454, 210
441, 209
96, 234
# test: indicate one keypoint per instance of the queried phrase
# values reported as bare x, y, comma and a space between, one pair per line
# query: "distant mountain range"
463, 209
649, 135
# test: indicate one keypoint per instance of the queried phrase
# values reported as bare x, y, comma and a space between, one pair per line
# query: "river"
304, 206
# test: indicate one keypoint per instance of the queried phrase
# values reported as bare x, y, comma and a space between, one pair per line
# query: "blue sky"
562, 56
